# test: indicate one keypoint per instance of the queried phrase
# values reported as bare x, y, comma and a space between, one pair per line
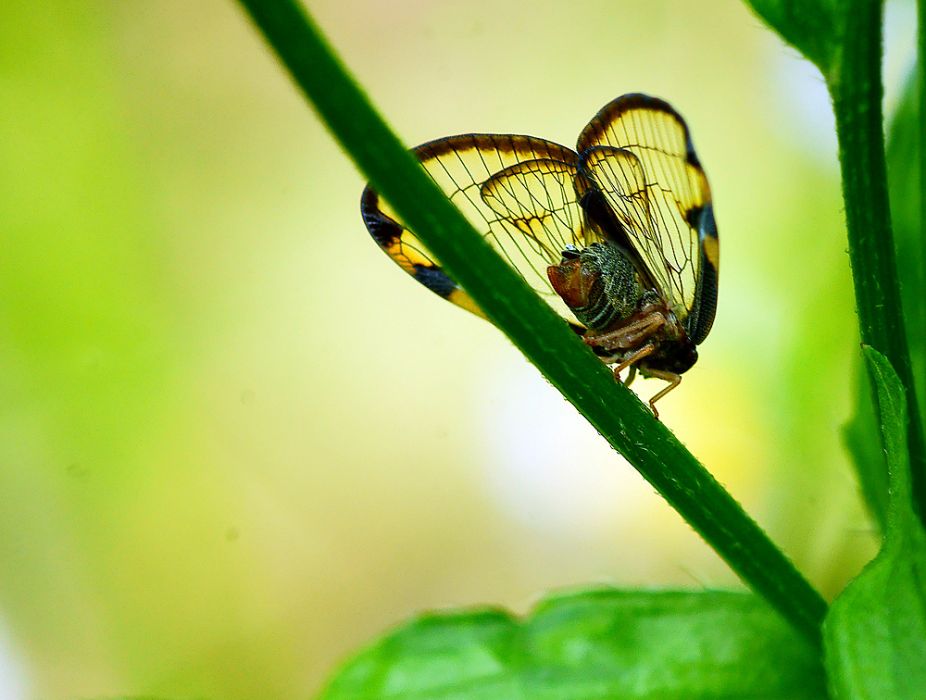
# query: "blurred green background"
236, 442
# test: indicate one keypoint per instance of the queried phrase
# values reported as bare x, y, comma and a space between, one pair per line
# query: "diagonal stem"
541, 335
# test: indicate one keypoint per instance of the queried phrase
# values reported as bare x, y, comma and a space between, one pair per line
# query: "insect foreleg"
629, 335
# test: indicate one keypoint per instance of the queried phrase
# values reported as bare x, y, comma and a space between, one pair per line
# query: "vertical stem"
921, 117
855, 85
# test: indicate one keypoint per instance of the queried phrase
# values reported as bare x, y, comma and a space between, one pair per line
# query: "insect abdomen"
599, 313
599, 284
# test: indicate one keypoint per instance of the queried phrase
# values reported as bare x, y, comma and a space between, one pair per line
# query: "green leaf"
863, 440
602, 643
875, 633
813, 27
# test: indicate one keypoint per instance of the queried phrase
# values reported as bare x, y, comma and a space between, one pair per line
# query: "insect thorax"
599, 284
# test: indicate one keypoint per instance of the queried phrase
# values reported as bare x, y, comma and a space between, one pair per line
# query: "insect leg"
671, 377
629, 362
629, 335
632, 372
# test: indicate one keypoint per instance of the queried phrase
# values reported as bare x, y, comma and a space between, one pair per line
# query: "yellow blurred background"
236, 442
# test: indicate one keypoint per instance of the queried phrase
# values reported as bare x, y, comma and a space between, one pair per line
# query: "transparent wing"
638, 152
519, 191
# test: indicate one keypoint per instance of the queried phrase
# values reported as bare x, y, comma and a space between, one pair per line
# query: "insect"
618, 235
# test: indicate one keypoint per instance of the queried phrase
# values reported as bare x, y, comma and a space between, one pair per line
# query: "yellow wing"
519, 191
637, 151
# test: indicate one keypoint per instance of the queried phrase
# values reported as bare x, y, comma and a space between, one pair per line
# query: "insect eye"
570, 252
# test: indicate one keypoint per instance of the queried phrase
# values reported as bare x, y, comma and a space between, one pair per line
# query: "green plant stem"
921, 150
855, 85
541, 335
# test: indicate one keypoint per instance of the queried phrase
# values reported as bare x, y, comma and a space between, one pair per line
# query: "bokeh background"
236, 442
